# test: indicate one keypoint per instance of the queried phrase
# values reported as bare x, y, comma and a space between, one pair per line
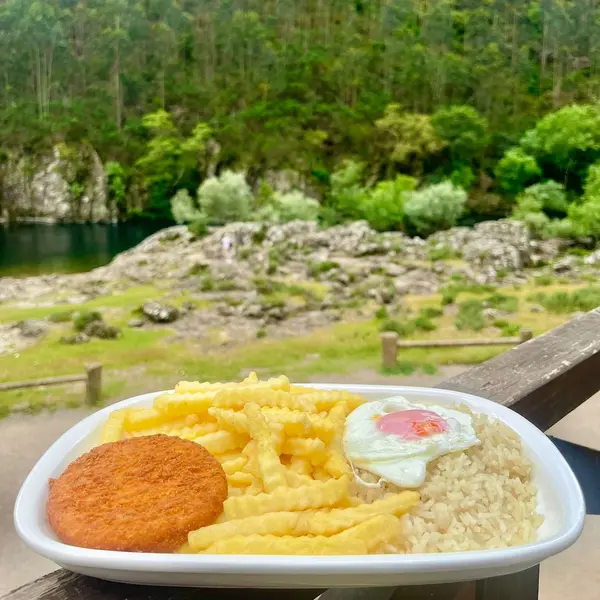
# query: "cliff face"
66, 185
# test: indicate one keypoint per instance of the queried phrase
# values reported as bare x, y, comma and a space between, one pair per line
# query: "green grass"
502, 302
563, 302
470, 316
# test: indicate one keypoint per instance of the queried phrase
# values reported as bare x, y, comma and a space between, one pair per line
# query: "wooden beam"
545, 378
16, 385
93, 386
507, 341
389, 349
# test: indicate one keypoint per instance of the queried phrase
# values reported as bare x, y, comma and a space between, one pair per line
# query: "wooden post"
389, 349
525, 335
93, 385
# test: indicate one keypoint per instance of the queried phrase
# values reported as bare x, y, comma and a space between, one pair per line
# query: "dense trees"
436, 90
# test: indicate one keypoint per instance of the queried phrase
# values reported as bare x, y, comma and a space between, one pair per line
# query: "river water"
36, 249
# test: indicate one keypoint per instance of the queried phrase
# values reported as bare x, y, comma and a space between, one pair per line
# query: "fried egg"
395, 438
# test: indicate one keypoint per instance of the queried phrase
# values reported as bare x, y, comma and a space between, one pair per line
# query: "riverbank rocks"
31, 328
157, 312
102, 330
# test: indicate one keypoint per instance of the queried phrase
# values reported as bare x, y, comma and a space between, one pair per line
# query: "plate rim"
26, 506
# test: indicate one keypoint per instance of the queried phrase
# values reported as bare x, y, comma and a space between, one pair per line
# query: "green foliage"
381, 313
502, 302
470, 316
63, 316
82, 319
566, 142
225, 198
559, 303
199, 226
347, 194
290, 207
544, 280
409, 138
464, 130
515, 170
549, 195
383, 206
462, 176
402, 328
429, 369
431, 312
316, 269
402, 367
423, 323
435, 207
116, 183
183, 209
440, 253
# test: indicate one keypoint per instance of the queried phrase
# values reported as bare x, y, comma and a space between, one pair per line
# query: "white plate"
560, 501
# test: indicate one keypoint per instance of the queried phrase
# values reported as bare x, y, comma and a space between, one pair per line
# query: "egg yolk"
412, 424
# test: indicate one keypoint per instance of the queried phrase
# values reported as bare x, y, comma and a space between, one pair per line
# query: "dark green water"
35, 249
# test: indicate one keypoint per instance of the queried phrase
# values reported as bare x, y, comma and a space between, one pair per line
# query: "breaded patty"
141, 495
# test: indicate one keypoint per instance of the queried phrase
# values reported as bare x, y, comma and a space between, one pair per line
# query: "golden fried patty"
141, 494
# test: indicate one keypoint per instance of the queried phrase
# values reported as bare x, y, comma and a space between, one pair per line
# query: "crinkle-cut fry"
239, 397
138, 419
327, 399
297, 480
234, 491
114, 427
272, 544
294, 422
302, 389
336, 463
226, 456
255, 488
339, 519
300, 465
377, 530
190, 387
271, 470
316, 495
181, 405
240, 479
220, 441
234, 465
312, 449
229, 419
251, 452
321, 474
191, 433
280, 523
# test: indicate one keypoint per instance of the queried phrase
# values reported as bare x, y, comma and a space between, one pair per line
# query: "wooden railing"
390, 343
543, 380
92, 378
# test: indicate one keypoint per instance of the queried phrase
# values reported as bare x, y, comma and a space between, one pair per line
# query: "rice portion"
478, 499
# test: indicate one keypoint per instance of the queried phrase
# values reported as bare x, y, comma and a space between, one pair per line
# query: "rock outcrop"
66, 185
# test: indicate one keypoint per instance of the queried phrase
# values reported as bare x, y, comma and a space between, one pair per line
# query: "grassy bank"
145, 360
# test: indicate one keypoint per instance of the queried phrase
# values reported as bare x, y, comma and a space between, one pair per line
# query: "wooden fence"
390, 344
92, 378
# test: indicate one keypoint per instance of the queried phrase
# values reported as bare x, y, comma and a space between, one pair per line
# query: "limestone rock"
31, 328
157, 312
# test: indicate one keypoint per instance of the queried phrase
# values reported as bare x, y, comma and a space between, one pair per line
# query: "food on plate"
312, 471
142, 495
395, 438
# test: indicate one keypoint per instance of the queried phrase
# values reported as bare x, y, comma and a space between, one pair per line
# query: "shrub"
515, 170
82, 319
550, 196
422, 323
347, 191
199, 227
383, 207
429, 369
583, 300
402, 328
225, 198
543, 280
499, 301
431, 312
290, 207
61, 317
435, 207
462, 176
381, 313
470, 315
183, 209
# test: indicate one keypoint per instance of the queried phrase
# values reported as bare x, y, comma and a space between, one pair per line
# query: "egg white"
398, 461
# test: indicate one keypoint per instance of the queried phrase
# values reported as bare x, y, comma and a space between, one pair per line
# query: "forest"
413, 114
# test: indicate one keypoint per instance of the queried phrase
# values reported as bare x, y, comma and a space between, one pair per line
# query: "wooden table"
543, 380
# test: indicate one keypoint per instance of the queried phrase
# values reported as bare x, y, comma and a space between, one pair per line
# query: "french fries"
281, 449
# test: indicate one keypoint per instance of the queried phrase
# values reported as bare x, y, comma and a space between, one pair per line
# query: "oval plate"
560, 500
